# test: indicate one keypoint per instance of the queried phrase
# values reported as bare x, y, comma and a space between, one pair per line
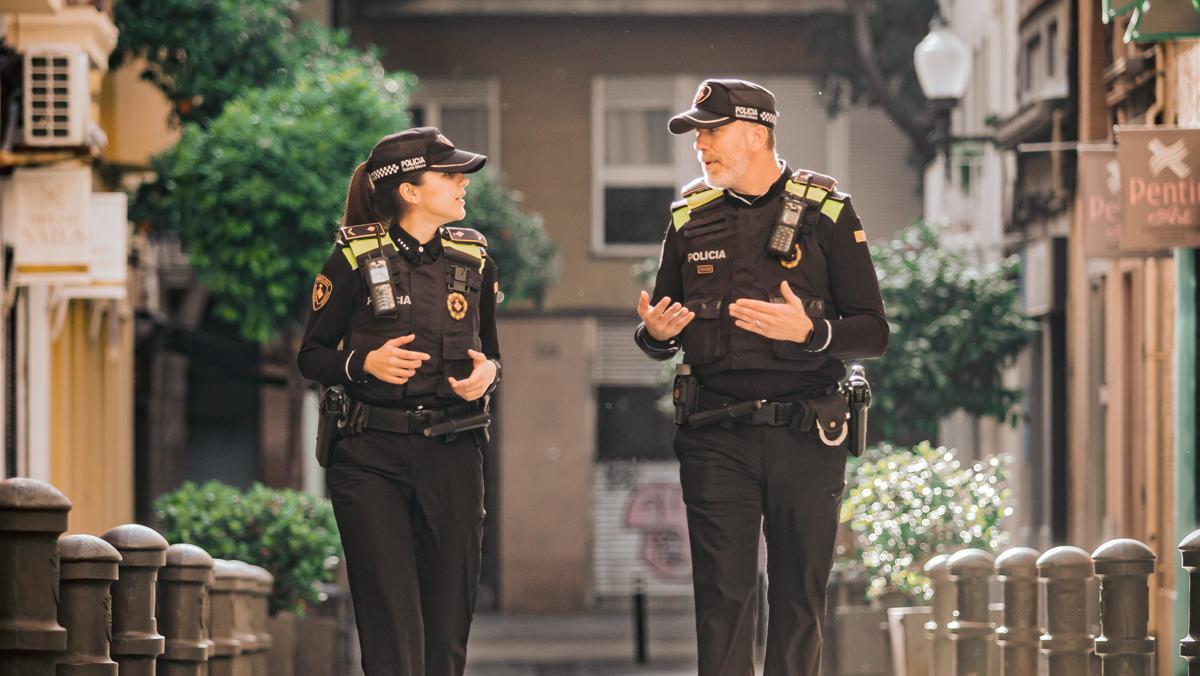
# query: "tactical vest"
437, 302
726, 259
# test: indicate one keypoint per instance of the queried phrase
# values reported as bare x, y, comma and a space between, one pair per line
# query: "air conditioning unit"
57, 94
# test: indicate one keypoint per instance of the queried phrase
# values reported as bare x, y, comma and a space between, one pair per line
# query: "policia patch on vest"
322, 290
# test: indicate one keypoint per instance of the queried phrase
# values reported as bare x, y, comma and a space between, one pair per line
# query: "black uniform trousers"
738, 478
410, 512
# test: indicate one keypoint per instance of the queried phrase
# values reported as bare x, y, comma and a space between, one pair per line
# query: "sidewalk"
584, 644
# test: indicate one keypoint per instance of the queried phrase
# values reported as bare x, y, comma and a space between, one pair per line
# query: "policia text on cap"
767, 285
403, 335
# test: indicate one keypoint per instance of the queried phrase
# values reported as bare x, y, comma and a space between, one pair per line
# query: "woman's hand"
481, 378
391, 363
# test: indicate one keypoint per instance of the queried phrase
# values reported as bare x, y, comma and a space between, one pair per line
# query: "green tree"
202, 55
867, 57
256, 194
955, 328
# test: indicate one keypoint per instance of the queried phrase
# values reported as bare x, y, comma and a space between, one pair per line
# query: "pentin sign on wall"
1160, 185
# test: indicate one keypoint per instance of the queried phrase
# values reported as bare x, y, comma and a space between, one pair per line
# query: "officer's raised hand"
664, 320
779, 321
393, 364
481, 378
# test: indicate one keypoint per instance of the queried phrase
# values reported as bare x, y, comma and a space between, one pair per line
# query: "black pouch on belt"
831, 418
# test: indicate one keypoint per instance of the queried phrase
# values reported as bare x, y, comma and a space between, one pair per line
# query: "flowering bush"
906, 506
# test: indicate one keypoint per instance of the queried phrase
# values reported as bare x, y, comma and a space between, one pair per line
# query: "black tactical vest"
438, 302
726, 258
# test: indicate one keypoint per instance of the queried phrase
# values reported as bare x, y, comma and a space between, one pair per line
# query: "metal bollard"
32, 514
227, 649
88, 567
971, 628
183, 611
1067, 642
1018, 637
639, 621
1189, 647
136, 643
260, 613
941, 656
1124, 566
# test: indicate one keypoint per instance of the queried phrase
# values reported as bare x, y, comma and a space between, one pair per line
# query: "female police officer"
403, 315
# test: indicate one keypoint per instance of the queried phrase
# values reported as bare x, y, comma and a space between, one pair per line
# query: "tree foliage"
202, 55
955, 328
255, 195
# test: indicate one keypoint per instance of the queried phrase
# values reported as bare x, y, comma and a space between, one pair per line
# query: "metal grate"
49, 98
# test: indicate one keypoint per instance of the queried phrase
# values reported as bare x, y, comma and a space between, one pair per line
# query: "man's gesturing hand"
779, 321
393, 364
481, 378
664, 320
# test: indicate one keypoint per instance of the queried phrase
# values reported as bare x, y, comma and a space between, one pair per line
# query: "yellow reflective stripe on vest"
359, 247
703, 197
681, 216
473, 250
832, 208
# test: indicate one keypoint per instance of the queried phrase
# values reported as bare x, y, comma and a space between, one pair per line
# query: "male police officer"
767, 284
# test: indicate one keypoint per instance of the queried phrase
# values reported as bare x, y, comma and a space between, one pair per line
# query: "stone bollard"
227, 649
971, 628
32, 515
136, 643
88, 567
1067, 642
1124, 567
1189, 647
260, 613
941, 654
1018, 636
183, 611
242, 620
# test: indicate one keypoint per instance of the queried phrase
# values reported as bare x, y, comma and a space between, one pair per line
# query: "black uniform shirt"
860, 332
321, 355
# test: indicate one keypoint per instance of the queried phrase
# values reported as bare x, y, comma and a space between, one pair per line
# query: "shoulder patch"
350, 233
694, 186
322, 290
465, 236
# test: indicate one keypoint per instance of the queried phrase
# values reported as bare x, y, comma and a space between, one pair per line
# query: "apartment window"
1051, 48
1028, 62
467, 112
634, 163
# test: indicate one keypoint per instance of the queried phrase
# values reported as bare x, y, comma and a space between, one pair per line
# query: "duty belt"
427, 421
803, 415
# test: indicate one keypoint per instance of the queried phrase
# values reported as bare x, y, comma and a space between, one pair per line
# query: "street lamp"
943, 64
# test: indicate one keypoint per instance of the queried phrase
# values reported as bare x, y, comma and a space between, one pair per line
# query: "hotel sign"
52, 225
1160, 187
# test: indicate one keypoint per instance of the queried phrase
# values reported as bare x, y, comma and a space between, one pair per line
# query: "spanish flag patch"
860, 236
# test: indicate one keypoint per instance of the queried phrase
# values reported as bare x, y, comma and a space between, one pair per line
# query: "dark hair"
382, 204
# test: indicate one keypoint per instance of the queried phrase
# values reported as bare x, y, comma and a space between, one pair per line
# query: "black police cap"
401, 155
719, 102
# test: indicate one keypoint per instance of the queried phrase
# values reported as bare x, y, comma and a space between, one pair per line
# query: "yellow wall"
134, 114
91, 423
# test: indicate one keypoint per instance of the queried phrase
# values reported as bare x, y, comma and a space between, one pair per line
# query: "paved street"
579, 645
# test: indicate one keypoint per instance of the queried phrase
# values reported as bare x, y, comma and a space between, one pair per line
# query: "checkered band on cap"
384, 171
